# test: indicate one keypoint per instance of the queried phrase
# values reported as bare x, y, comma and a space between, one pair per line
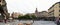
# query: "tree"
33, 16
27, 16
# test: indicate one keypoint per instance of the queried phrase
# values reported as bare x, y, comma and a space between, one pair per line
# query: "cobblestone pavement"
35, 23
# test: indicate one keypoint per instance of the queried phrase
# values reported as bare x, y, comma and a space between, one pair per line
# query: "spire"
36, 10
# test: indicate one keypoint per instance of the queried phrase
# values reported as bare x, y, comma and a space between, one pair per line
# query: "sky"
29, 6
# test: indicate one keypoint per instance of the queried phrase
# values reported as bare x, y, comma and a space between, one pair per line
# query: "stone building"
44, 14
41, 14
54, 10
16, 14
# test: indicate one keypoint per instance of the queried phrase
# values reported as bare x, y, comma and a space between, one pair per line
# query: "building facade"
54, 11
44, 14
41, 14
16, 14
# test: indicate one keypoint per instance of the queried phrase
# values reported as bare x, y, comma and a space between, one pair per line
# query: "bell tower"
36, 11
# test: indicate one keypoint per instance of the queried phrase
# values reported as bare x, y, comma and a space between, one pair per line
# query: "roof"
54, 5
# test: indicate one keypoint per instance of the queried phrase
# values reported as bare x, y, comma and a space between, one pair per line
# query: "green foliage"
27, 16
33, 16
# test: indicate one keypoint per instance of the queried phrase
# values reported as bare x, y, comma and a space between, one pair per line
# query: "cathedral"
36, 13
41, 14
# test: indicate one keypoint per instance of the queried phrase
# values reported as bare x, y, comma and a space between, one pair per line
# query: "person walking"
58, 21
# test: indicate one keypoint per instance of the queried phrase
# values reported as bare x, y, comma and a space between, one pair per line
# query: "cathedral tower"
36, 11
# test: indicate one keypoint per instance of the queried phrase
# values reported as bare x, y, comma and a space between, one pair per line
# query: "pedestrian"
58, 21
